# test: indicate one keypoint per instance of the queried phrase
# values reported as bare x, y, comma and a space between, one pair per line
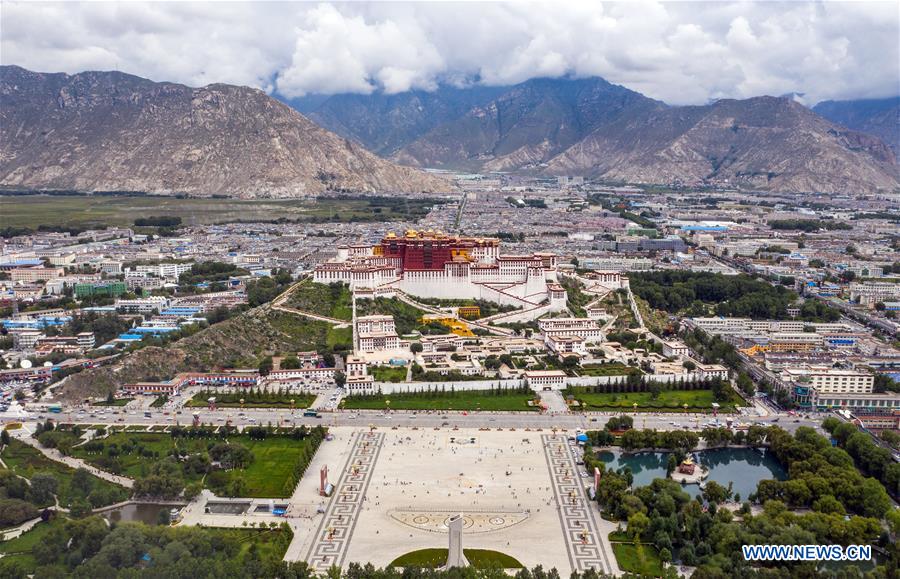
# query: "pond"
743, 467
138, 512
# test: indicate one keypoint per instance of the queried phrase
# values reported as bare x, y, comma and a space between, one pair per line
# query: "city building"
376, 333
546, 379
104, 288
33, 274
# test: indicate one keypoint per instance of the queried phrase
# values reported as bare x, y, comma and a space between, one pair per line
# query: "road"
421, 419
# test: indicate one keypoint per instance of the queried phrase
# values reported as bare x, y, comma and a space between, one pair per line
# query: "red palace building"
430, 250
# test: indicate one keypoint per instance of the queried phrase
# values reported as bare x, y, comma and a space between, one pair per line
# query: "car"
445, 424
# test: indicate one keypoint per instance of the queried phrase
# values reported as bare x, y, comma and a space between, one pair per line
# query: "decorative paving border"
518, 516
333, 536
579, 528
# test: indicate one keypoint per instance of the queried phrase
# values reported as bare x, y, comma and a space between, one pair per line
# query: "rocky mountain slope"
111, 131
527, 125
879, 117
241, 342
594, 128
763, 143
383, 123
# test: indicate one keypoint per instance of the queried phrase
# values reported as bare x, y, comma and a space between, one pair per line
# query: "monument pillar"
455, 556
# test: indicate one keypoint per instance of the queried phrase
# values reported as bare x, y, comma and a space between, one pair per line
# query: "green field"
274, 459
116, 402
667, 401
27, 461
642, 559
251, 400
460, 400
389, 373
478, 558
611, 369
121, 210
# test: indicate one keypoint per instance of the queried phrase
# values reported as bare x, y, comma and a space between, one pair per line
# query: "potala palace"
431, 264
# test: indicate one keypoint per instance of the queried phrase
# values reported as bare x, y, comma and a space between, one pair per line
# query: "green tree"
715, 493
638, 523
43, 488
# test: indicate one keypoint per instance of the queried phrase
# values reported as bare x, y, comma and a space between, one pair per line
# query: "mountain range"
98, 131
879, 117
594, 128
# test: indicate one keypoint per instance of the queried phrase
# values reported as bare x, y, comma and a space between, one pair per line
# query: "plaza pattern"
580, 531
335, 532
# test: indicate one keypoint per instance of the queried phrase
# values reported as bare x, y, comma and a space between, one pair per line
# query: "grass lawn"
27, 461
273, 462
160, 401
642, 559
116, 402
461, 400
389, 373
611, 369
668, 401
478, 558
19, 549
251, 400
273, 458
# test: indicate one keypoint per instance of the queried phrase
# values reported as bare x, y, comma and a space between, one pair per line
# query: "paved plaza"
519, 493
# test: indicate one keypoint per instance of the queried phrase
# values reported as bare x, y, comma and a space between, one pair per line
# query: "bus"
55, 408
309, 412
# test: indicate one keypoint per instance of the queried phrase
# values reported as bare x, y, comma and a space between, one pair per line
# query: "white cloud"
680, 52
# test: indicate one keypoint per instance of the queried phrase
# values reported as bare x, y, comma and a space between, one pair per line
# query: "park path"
73, 462
554, 401
14, 532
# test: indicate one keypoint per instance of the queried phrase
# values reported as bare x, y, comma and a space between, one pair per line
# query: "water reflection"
742, 467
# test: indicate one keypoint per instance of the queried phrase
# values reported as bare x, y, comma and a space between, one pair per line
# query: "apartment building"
869, 293
33, 274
